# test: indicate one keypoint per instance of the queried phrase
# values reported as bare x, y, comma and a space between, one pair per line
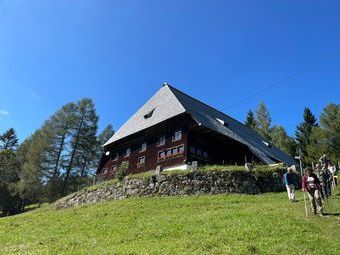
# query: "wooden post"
194, 166
313, 166
159, 170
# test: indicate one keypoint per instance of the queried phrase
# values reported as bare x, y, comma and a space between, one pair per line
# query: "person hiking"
322, 178
323, 160
288, 178
311, 185
332, 169
328, 181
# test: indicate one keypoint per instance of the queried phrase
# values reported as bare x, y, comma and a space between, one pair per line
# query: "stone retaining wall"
193, 183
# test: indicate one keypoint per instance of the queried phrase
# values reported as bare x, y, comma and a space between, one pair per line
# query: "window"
127, 152
161, 154
170, 153
161, 141
105, 170
143, 148
222, 122
115, 157
141, 161
149, 114
177, 136
174, 151
267, 144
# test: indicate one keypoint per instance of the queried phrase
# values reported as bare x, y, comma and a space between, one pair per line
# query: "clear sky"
120, 52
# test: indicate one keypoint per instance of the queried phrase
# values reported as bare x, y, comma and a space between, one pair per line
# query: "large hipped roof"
169, 102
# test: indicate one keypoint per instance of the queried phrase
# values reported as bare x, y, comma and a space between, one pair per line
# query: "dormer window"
161, 141
127, 152
149, 114
267, 144
177, 136
143, 147
222, 122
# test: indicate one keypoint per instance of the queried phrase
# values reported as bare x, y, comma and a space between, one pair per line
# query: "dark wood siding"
150, 136
220, 149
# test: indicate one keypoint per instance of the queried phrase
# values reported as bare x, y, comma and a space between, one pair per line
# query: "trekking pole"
304, 193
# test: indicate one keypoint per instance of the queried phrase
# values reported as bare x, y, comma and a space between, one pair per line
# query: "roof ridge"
199, 101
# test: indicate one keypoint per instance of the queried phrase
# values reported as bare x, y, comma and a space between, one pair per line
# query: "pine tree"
83, 141
32, 156
304, 131
264, 121
105, 135
61, 124
251, 121
9, 140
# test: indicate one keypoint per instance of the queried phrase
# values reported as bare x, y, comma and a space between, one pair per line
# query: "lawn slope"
219, 224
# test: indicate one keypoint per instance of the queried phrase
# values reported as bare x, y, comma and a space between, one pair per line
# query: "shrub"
122, 171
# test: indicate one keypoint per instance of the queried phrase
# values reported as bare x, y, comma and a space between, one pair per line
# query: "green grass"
219, 224
206, 168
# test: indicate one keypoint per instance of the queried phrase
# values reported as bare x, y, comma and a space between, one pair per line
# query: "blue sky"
120, 52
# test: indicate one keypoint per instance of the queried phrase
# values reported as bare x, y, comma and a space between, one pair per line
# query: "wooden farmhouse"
173, 129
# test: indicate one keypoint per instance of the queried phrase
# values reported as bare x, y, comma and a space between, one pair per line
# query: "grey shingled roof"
169, 102
165, 106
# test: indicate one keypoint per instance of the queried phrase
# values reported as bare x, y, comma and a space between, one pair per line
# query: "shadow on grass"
331, 214
31, 208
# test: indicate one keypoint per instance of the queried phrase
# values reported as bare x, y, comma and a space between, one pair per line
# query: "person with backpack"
311, 185
288, 179
322, 178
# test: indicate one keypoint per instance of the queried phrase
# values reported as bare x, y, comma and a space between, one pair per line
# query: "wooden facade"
159, 146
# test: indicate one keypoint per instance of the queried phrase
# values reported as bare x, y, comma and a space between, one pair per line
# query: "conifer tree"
32, 156
282, 140
304, 131
251, 121
326, 138
264, 121
83, 140
102, 138
8, 140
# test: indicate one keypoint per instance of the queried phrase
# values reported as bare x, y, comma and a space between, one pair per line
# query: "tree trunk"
69, 168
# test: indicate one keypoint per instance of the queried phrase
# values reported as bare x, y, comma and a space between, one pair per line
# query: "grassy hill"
219, 224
